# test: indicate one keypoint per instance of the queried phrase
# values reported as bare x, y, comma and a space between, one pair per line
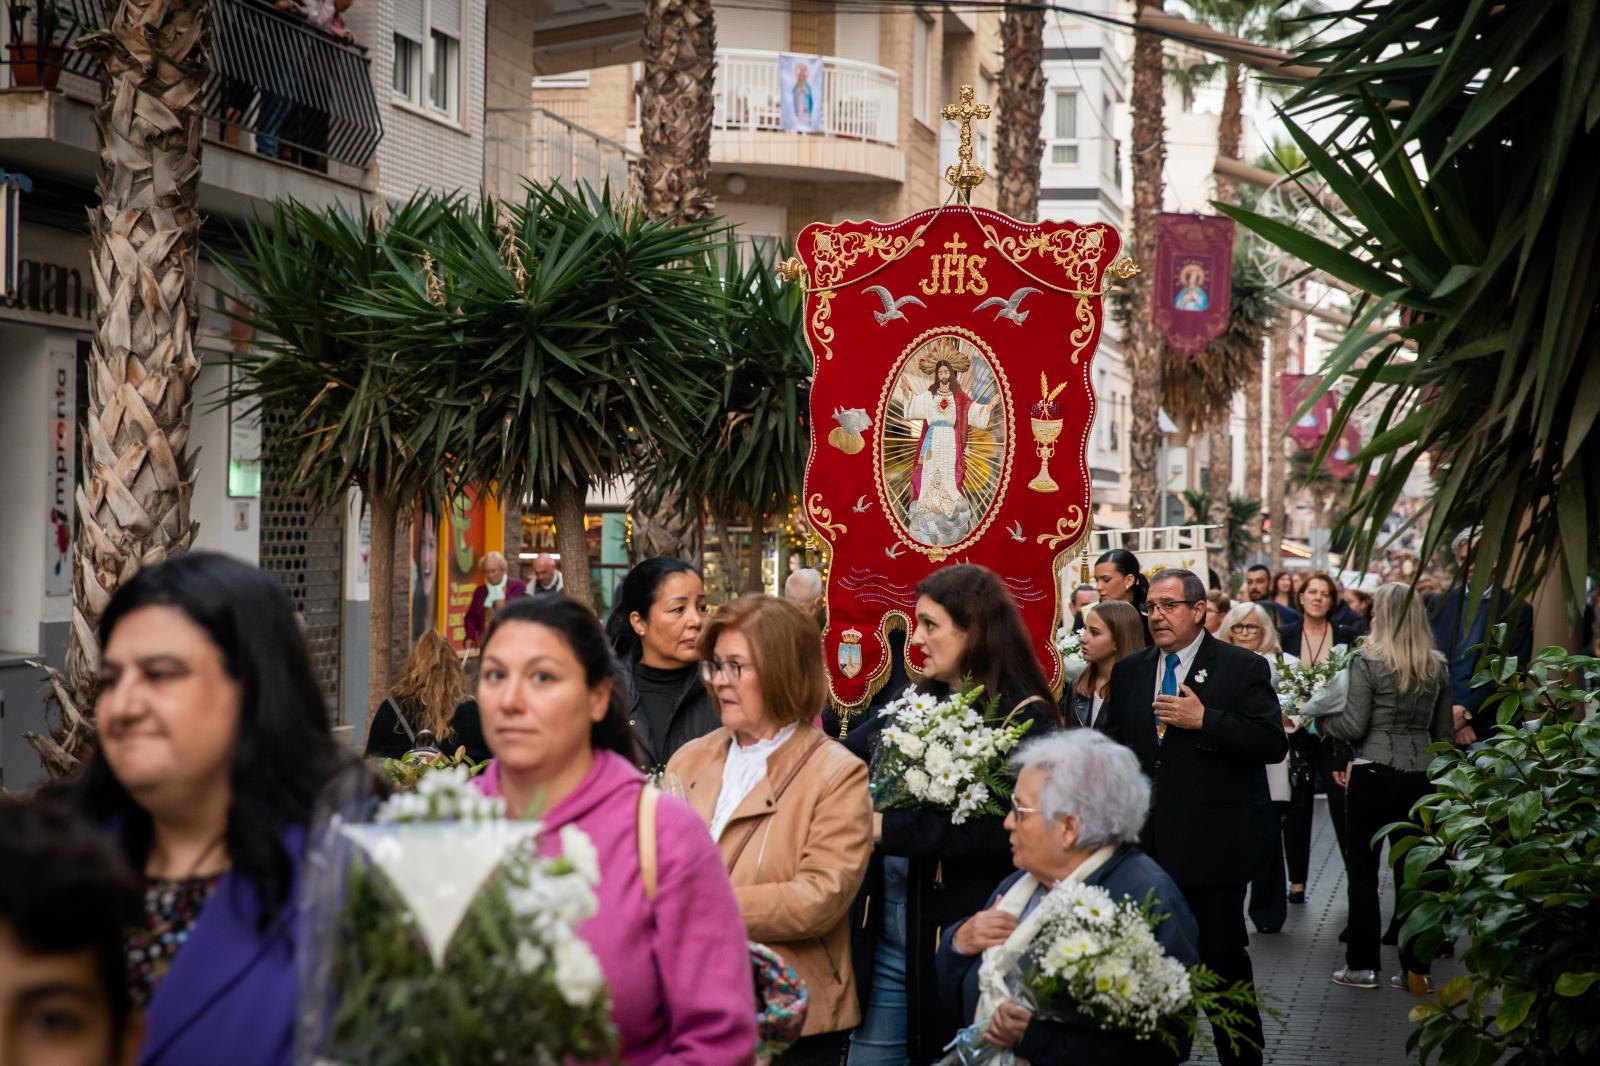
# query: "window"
921, 54
407, 67
427, 55
578, 79
1108, 147
1064, 142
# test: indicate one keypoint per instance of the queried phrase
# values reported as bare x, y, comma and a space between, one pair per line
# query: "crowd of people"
154, 921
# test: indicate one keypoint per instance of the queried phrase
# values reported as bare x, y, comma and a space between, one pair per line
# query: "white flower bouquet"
436, 932
1070, 645
1097, 960
1309, 692
944, 753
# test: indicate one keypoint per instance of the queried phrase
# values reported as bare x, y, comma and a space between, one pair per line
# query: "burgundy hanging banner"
1309, 430
1193, 283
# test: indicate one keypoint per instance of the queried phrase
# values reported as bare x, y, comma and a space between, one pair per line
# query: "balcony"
860, 107
547, 148
284, 95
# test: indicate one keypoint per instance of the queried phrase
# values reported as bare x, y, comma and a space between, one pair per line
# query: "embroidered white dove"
1008, 308
891, 306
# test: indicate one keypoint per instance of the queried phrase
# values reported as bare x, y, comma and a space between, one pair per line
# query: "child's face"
54, 1011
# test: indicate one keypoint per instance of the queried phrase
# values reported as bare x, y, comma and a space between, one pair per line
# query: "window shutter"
447, 17
408, 20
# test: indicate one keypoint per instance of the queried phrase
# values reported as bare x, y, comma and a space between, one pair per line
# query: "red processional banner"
1310, 429
952, 405
1193, 285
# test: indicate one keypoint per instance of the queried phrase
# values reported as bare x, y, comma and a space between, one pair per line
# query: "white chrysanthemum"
913, 746
579, 850
578, 975
937, 760
917, 782
530, 956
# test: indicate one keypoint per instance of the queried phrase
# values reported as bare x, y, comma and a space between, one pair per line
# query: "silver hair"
490, 557
804, 584
1269, 626
1194, 590
1089, 775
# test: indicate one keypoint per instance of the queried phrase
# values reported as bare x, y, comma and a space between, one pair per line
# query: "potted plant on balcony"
35, 61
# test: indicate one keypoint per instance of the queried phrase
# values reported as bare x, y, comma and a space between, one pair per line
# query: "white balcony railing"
860, 101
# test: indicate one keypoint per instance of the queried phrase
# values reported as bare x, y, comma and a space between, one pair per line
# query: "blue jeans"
880, 1040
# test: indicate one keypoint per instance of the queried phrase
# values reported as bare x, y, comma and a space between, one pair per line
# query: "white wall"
218, 514
23, 483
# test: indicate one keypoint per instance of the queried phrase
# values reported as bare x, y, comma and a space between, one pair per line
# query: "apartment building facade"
397, 100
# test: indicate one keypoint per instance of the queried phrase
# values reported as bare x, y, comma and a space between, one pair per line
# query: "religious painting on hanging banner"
952, 404
1310, 429
1193, 284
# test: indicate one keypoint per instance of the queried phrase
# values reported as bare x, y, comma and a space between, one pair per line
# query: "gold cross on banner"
966, 175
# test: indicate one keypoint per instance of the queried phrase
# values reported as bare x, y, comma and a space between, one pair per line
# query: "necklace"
1315, 653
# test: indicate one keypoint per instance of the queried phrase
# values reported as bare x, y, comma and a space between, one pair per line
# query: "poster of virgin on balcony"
800, 86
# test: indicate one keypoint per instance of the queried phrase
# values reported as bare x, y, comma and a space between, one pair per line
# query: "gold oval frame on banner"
1008, 451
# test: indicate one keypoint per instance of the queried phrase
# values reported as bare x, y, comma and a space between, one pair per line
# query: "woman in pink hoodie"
676, 959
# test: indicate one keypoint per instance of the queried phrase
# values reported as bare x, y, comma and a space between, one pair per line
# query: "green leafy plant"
405, 773
1462, 159
1508, 855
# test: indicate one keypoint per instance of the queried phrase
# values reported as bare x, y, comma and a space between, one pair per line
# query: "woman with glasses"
787, 805
1250, 626
1076, 814
934, 872
1111, 630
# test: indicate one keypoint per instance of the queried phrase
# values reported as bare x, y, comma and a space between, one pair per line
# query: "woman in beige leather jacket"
788, 806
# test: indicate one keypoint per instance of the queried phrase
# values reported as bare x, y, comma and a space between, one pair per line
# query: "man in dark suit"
1459, 626
1204, 721
1258, 586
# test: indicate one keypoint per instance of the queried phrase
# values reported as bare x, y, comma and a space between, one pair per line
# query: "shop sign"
62, 406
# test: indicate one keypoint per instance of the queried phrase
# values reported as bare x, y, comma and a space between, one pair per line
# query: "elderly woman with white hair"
1076, 812
497, 588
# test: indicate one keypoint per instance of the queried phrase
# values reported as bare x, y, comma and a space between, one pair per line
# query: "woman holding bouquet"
934, 871
1312, 640
1111, 630
1076, 814
1399, 703
667, 934
213, 746
788, 807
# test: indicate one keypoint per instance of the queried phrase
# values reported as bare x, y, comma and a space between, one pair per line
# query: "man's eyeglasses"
1154, 607
710, 668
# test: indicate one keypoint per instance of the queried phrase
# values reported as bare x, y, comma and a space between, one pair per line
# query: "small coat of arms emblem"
850, 652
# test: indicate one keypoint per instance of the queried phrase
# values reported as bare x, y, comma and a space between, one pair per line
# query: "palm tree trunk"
731, 567
1018, 144
1149, 153
675, 107
1252, 447
753, 581
1230, 130
138, 478
1276, 512
566, 506
381, 607
668, 530
1219, 476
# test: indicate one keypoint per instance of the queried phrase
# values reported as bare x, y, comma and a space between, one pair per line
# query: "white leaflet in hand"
437, 868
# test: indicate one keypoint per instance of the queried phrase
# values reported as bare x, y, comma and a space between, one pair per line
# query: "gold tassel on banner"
1084, 576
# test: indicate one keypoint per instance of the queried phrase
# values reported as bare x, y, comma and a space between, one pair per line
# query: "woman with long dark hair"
655, 631
929, 872
1112, 630
668, 932
1117, 577
431, 697
213, 746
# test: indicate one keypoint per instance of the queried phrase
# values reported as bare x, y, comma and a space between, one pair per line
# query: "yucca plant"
361, 408
579, 327
756, 435
1464, 154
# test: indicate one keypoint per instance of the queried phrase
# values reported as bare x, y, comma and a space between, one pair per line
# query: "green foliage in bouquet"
490, 1001
404, 774
1516, 823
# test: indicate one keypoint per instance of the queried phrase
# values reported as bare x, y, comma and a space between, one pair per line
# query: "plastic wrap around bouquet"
944, 753
1097, 959
437, 933
1306, 693
1070, 645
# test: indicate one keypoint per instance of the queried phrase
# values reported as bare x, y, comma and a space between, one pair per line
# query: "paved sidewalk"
1323, 1024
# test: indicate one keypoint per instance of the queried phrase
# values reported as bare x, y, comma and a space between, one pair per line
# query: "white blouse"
742, 772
